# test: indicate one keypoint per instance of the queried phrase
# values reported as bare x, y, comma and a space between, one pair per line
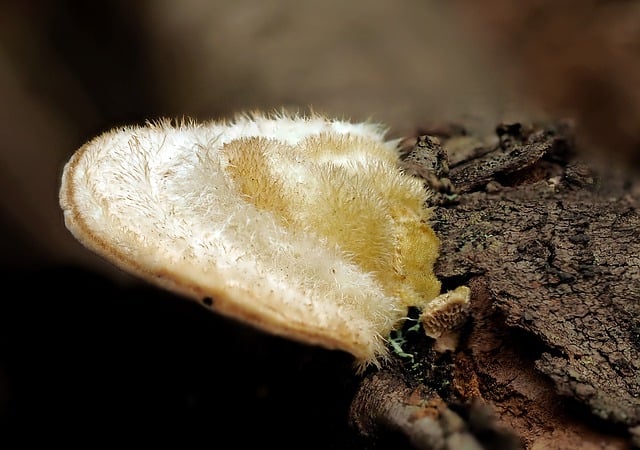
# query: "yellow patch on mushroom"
301, 226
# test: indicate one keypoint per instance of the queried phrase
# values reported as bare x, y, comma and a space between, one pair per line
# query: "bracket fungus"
304, 227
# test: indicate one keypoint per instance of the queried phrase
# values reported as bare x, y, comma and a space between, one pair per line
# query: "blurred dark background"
82, 343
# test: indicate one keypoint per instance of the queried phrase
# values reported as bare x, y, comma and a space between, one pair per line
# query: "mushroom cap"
303, 227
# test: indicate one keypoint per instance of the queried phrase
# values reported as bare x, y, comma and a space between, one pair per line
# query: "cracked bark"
550, 248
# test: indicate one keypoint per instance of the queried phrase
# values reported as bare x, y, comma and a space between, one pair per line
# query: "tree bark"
549, 246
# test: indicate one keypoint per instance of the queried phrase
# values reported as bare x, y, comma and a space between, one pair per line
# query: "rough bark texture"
550, 249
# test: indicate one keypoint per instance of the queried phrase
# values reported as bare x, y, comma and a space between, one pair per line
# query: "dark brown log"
550, 247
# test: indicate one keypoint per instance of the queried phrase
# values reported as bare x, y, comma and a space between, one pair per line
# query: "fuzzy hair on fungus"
305, 227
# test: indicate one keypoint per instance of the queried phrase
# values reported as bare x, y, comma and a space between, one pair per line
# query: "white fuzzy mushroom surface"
305, 227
